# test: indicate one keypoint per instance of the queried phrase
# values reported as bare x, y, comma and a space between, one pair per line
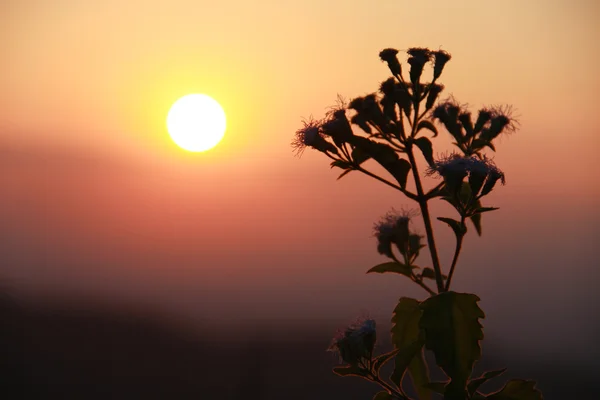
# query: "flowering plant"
395, 123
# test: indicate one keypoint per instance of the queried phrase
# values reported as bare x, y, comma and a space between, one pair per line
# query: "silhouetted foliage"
395, 125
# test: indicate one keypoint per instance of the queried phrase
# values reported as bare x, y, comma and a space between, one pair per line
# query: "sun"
196, 122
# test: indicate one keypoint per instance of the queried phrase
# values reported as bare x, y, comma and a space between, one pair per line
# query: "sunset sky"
96, 198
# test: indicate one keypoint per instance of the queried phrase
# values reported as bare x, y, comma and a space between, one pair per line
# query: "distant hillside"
102, 353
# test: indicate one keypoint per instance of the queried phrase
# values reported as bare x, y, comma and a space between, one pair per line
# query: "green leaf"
517, 389
359, 156
426, 148
426, 124
382, 359
346, 172
405, 333
383, 396
458, 228
392, 266
475, 383
350, 370
438, 387
452, 331
430, 273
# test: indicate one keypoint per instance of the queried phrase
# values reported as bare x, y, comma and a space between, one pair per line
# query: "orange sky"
95, 193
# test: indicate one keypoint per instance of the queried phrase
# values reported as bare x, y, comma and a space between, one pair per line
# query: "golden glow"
196, 122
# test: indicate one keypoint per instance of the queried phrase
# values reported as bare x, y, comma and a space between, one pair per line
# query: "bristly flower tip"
310, 135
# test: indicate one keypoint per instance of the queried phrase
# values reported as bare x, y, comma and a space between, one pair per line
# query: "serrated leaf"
350, 370
426, 148
392, 266
438, 387
458, 228
383, 396
453, 332
405, 358
359, 156
475, 383
426, 124
517, 389
405, 331
380, 360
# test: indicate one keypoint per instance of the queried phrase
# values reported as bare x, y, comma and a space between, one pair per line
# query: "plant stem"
423, 285
422, 200
406, 192
398, 393
459, 241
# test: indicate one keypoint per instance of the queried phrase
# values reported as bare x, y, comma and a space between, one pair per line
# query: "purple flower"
356, 342
455, 168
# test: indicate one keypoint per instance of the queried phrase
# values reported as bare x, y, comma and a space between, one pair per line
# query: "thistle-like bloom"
441, 58
356, 342
390, 57
447, 113
417, 60
338, 127
310, 135
455, 168
393, 229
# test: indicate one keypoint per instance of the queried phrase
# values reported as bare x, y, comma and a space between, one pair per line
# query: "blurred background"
130, 267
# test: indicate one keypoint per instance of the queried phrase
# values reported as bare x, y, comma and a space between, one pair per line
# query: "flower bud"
465, 120
338, 128
483, 118
391, 58
393, 229
362, 123
310, 136
441, 58
417, 60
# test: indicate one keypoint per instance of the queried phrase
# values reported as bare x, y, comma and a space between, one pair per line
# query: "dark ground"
97, 353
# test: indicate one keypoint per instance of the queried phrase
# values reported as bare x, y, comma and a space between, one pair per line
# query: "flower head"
338, 127
356, 342
390, 57
417, 60
455, 168
441, 58
310, 135
393, 229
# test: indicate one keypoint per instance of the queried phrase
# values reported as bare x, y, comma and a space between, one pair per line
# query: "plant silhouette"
395, 125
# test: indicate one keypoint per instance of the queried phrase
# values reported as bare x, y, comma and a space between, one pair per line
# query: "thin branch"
459, 241
408, 194
422, 200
